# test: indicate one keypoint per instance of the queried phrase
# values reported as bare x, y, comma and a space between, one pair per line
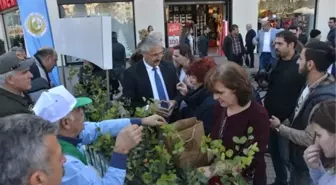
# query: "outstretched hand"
154, 120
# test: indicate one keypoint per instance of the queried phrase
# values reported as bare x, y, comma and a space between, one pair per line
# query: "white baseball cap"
56, 103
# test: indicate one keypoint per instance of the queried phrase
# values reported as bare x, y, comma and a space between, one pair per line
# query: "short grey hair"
5, 75
17, 49
248, 25
149, 42
44, 52
157, 35
23, 150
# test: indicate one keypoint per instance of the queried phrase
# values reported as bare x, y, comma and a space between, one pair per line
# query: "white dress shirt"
182, 75
330, 68
267, 40
151, 76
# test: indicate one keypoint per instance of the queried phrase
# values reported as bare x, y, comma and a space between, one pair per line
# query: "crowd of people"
43, 128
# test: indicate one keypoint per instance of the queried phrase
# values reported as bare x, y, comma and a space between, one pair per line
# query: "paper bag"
191, 131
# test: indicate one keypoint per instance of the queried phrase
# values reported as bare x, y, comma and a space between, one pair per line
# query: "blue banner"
37, 31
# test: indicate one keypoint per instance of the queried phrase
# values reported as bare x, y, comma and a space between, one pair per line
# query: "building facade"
131, 16
11, 33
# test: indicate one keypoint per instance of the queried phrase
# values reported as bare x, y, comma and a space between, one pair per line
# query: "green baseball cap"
82, 101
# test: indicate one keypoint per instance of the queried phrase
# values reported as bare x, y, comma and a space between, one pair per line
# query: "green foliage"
229, 163
150, 162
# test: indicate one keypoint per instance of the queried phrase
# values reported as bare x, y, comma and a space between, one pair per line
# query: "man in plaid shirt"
233, 46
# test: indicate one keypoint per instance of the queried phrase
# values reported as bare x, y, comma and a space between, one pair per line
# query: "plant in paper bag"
150, 162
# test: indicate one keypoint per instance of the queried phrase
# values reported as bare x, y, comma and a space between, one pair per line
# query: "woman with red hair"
199, 100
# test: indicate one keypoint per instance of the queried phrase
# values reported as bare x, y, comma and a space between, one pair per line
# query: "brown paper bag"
191, 131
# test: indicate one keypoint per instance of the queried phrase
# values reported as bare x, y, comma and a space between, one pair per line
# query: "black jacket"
200, 105
14, 104
249, 39
118, 54
40, 82
284, 88
136, 83
228, 46
319, 94
203, 45
331, 37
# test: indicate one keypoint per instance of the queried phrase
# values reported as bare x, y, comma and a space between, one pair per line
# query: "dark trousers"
249, 60
299, 177
237, 59
265, 61
278, 148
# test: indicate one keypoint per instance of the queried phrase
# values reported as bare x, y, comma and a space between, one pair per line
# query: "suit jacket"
259, 40
249, 39
228, 48
136, 83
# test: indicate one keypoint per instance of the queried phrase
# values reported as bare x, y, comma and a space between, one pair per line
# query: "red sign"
174, 29
6, 4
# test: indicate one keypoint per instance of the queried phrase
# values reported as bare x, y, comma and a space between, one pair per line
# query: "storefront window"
194, 18
13, 28
122, 20
286, 13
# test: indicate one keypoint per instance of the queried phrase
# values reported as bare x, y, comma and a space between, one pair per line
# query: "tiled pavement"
269, 170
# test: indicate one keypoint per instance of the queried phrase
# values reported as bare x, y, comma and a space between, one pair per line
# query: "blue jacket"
322, 176
259, 38
77, 173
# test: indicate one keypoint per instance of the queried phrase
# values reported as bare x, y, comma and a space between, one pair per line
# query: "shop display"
283, 14
180, 14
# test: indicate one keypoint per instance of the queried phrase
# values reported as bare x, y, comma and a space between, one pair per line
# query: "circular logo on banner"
36, 25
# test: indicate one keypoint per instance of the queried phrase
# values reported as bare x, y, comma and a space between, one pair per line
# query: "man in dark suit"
152, 78
249, 61
233, 46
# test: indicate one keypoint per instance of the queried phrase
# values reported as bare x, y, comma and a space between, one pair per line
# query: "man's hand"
274, 122
312, 157
128, 138
154, 120
182, 87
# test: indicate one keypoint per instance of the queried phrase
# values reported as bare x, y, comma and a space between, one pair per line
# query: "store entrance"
194, 17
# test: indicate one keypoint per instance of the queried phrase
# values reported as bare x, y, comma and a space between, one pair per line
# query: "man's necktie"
159, 85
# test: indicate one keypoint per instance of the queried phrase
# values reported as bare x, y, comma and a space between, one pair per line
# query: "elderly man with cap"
15, 79
58, 106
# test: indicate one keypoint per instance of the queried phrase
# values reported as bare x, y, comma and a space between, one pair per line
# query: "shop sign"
6, 4
174, 31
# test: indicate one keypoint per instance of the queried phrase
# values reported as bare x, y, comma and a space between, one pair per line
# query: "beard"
305, 71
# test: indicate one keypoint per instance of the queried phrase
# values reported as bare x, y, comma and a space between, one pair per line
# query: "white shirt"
267, 41
191, 43
330, 68
301, 100
151, 76
182, 75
